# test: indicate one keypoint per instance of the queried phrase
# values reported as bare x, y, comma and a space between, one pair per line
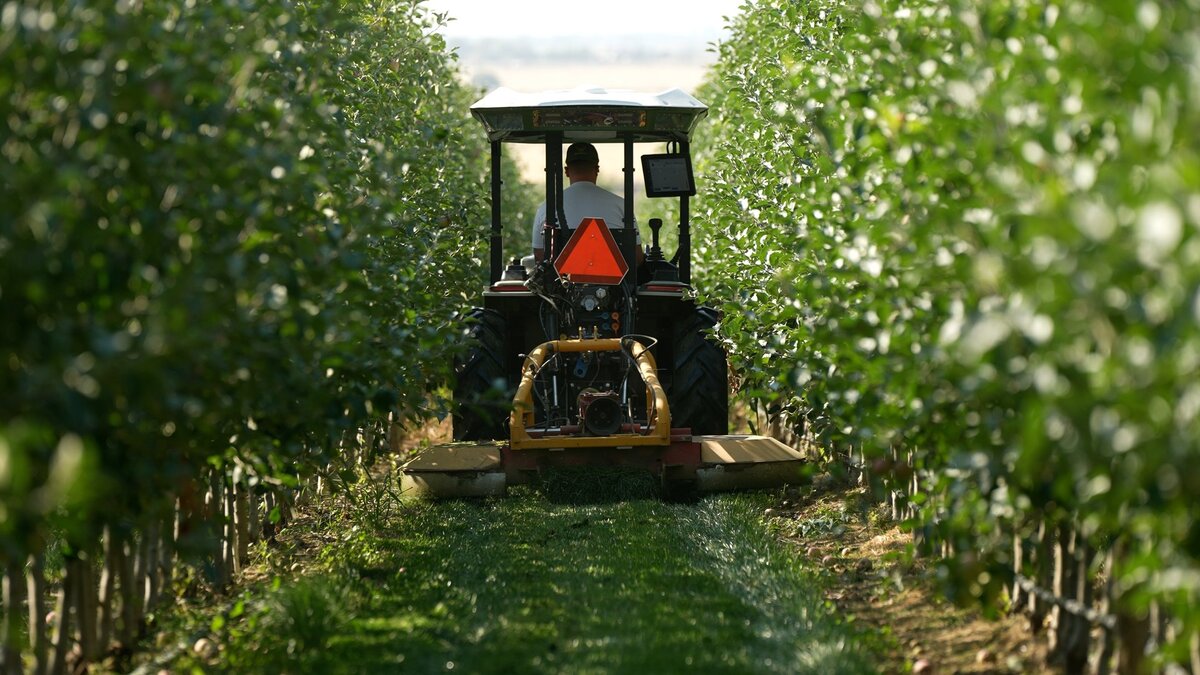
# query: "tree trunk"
1108, 640
153, 539
230, 530
269, 526
14, 587
1195, 653
1155, 621
1043, 562
1104, 652
396, 434
285, 499
241, 522
141, 574
255, 513
215, 517
1165, 633
914, 484
172, 528
190, 507
1018, 565
86, 609
140, 551
368, 447
126, 551
1061, 620
1078, 638
38, 637
1133, 631
1055, 635
62, 632
107, 586
889, 484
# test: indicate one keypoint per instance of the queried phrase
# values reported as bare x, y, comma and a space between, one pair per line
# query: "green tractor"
585, 358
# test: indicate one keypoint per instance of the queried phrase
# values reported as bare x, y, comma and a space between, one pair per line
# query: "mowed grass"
528, 584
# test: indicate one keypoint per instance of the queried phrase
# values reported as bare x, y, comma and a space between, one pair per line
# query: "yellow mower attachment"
685, 463
658, 412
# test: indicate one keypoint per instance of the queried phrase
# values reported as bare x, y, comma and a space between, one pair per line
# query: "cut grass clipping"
529, 584
597, 485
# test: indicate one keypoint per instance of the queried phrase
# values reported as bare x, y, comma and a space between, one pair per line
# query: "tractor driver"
584, 199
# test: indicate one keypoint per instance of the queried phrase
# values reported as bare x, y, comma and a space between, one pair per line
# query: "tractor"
585, 359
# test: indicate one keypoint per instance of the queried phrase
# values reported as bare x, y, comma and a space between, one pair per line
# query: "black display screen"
668, 175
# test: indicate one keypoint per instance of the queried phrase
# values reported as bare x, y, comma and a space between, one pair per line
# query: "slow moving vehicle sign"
591, 255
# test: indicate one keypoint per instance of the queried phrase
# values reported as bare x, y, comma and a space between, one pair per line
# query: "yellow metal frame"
659, 416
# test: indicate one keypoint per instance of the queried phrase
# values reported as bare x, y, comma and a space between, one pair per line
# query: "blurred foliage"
232, 233
970, 230
518, 203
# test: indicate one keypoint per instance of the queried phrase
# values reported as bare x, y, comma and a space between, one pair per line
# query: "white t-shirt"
582, 199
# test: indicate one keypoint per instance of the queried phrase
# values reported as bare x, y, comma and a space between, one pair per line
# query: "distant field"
641, 76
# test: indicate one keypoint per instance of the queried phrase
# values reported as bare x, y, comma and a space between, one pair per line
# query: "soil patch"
874, 580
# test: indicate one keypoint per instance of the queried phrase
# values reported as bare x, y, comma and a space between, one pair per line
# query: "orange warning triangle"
591, 255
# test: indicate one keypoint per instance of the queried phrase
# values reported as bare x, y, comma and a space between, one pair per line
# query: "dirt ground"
872, 577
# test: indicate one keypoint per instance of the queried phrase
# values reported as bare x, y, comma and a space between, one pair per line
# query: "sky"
644, 45
613, 18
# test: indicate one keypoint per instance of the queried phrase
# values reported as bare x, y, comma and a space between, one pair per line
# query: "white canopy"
588, 96
588, 114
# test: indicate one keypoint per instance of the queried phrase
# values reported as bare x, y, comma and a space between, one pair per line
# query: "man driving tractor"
584, 199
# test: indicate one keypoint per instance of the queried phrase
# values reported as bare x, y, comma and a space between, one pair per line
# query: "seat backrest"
623, 236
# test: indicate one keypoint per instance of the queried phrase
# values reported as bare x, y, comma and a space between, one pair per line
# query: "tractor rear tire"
699, 393
482, 391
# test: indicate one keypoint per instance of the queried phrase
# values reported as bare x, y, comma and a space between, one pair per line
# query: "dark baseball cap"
582, 154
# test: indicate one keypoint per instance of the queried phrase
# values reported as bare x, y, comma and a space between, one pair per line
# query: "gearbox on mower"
585, 360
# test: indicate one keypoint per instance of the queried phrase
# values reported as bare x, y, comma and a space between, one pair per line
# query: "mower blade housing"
471, 469
745, 463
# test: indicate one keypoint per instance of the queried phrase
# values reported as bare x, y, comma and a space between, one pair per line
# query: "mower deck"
708, 463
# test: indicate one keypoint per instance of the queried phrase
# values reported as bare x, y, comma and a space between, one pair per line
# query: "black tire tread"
480, 411
699, 392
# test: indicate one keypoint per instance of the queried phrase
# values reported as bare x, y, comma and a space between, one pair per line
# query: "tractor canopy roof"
592, 114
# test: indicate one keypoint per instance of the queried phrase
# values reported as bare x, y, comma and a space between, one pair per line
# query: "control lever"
655, 253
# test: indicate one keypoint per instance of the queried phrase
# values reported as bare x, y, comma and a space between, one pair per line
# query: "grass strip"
531, 584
